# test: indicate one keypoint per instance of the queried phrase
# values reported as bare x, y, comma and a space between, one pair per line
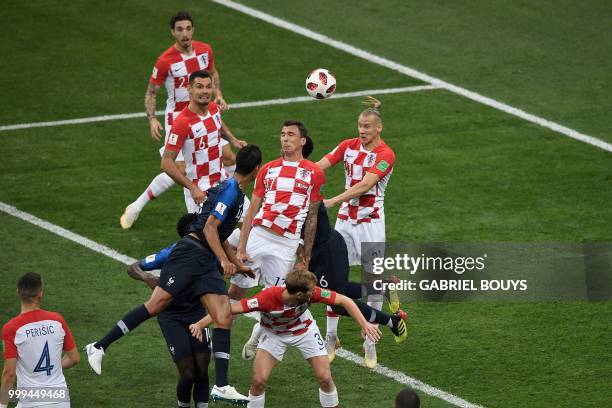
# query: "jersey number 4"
44, 362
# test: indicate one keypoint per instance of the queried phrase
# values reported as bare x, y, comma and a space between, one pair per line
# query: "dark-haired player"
172, 69
34, 342
192, 267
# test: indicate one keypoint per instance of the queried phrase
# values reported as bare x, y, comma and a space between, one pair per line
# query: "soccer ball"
320, 83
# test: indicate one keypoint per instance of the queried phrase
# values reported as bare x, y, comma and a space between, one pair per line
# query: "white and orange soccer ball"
320, 83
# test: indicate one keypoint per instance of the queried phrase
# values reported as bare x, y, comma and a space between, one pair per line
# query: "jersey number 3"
44, 362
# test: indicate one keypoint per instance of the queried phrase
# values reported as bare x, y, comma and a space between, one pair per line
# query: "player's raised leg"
158, 301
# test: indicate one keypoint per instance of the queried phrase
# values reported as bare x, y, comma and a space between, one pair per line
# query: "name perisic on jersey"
40, 331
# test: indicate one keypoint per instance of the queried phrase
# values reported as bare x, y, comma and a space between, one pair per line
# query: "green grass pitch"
465, 173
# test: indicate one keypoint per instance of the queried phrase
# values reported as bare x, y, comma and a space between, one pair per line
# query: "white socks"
158, 186
257, 401
332, 322
328, 399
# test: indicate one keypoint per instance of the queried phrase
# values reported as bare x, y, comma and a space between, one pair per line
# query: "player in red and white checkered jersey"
287, 322
172, 69
285, 200
34, 342
197, 134
368, 164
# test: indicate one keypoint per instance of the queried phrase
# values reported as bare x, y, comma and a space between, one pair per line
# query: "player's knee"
223, 320
326, 382
187, 376
259, 383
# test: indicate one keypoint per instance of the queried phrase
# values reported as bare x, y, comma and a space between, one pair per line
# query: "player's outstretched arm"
369, 181
367, 329
324, 164
71, 358
150, 103
196, 328
8, 379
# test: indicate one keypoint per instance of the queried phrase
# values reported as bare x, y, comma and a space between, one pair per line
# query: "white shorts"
310, 344
273, 257
355, 234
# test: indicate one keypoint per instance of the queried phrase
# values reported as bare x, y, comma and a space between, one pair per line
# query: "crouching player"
286, 321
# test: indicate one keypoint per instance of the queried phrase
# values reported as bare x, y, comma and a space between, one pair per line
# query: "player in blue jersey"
192, 269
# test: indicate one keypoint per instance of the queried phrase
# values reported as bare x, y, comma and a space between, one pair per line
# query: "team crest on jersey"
220, 208
217, 118
150, 258
325, 293
154, 74
253, 303
370, 159
173, 139
304, 175
204, 60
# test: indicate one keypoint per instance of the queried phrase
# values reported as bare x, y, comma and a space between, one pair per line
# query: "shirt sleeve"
211, 59
160, 72
225, 201
337, 155
178, 133
320, 295
258, 302
318, 180
8, 341
69, 343
383, 164
260, 189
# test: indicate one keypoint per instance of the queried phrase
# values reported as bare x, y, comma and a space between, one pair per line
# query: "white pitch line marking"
411, 72
239, 105
111, 253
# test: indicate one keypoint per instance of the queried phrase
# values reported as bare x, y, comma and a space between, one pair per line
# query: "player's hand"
229, 269
155, 127
371, 331
239, 144
243, 256
196, 331
222, 104
329, 203
245, 270
197, 194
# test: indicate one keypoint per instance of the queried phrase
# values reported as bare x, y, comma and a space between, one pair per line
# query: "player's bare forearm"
216, 80
310, 230
229, 252
248, 222
168, 165
212, 237
150, 100
357, 190
324, 164
227, 134
351, 309
71, 358
8, 379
